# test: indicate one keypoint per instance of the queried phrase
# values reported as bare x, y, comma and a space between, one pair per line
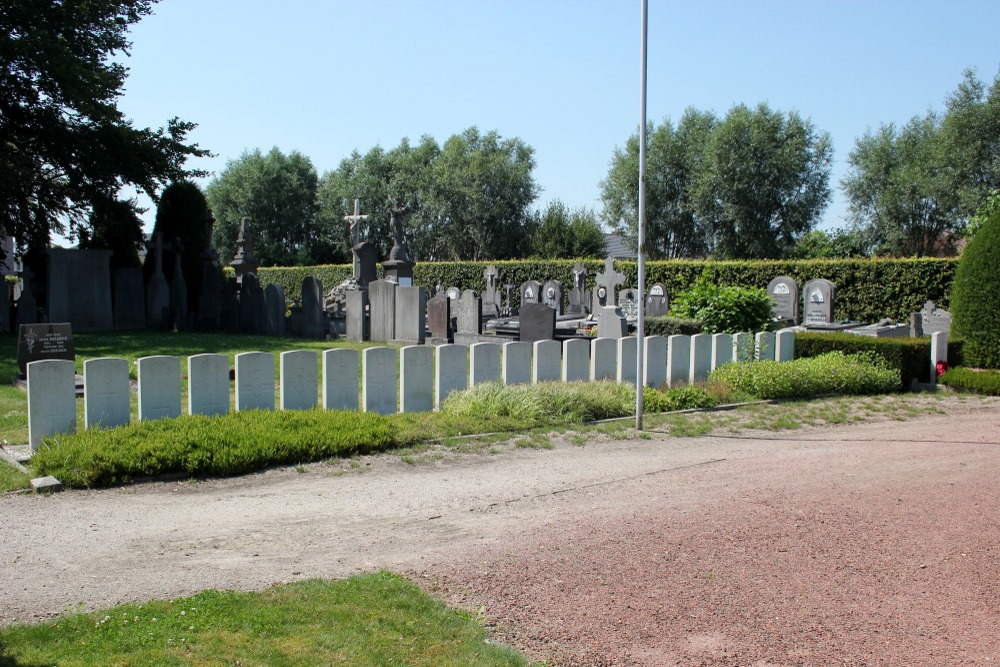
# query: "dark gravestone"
628, 302
244, 261
313, 317
210, 301
80, 289
367, 254
817, 297
491, 295
399, 267
229, 306
608, 283
657, 302
382, 300
784, 293
531, 292
130, 302
251, 307
468, 313
552, 293
439, 319
356, 314
27, 306
934, 320
274, 305
579, 297
4, 305
411, 314
157, 290
36, 342
538, 322
178, 291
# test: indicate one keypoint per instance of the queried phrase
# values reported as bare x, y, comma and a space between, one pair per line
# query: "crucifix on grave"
355, 221
399, 266
607, 284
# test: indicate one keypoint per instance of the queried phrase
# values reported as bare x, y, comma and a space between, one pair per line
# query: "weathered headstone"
451, 372
378, 380
411, 314
453, 293
159, 387
784, 293
313, 317
367, 254
934, 320
576, 360
628, 352
604, 359
382, 319
416, 378
552, 295
516, 363
628, 303
531, 292
106, 400
722, 349
484, 363
657, 302
537, 322
208, 384
439, 319
611, 323
298, 379
491, 295
608, 283
340, 379
818, 296
467, 311
251, 313
356, 311
678, 360
80, 289
157, 290
784, 345
51, 399
654, 361
274, 306
130, 300
701, 357
254, 379
743, 346
546, 361
579, 302
37, 342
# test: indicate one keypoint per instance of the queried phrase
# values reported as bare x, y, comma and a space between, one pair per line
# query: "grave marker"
818, 296
208, 384
106, 400
701, 357
537, 322
784, 345
411, 314
934, 320
608, 283
340, 379
38, 342
657, 303
451, 373
611, 323
378, 383
382, 297
678, 360
579, 303
628, 352
546, 363
552, 296
576, 360
484, 363
416, 381
51, 399
516, 363
254, 379
604, 359
298, 379
159, 387
654, 361
356, 313
784, 293
722, 349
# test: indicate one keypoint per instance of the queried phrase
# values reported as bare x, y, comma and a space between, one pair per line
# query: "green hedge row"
980, 382
867, 289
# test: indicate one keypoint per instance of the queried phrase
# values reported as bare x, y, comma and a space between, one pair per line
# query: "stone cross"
354, 221
607, 284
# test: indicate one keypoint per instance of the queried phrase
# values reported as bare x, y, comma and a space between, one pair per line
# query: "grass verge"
985, 382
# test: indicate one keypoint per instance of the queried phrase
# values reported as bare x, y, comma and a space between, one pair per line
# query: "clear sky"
326, 77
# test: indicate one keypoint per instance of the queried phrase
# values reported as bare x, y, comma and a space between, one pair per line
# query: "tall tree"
278, 193
66, 151
565, 233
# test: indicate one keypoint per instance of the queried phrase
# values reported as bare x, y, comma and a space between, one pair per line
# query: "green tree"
183, 213
278, 193
975, 296
66, 151
764, 182
564, 233
820, 244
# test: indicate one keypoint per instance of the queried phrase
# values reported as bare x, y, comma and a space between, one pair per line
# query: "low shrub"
724, 309
678, 398
831, 373
980, 382
671, 326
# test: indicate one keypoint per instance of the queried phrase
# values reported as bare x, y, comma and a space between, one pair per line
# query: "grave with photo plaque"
657, 304
784, 293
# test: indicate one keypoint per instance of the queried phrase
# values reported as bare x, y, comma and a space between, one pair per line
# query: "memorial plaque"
40, 341
784, 293
657, 304
818, 296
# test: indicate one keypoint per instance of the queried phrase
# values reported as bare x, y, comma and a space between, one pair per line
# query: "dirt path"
873, 544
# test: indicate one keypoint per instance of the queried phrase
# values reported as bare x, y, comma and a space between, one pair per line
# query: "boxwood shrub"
671, 326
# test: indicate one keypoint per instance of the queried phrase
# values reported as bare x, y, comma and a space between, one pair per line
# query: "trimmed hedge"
976, 296
867, 289
670, 326
830, 373
966, 379
911, 356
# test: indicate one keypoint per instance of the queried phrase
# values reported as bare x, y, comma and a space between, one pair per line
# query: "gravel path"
860, 545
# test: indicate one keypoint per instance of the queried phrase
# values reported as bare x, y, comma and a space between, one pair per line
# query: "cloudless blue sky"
326, 77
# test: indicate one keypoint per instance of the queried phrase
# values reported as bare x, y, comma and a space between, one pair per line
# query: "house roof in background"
615, 246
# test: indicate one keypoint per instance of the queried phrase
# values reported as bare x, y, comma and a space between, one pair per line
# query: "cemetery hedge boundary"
985, 382
867, 289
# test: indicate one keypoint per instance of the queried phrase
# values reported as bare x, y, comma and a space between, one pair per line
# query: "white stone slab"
939, 352
516, 362
51, 399
340, 379
654, 361
764, 346
722, 349
701, 358
378, 380
604, 359
451, 372
628, 352
416, 379
484, 363
159, 387
784, 345
678, 360
743, 345
254, 381
546, 361
576, 360
208, 384
106, 399
299, 382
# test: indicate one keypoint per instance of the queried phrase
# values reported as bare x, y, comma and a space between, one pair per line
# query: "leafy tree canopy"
564, 233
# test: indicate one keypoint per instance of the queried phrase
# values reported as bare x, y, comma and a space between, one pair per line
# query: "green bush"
975, 298
832, 373
980, 382
671, 326
724, 309
678, 398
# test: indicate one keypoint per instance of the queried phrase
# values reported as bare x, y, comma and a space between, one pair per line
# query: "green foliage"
114, 226
670, 326
278, 193
820, 244
831, 373
975, 296
67, 148
678, 398
369, 619
564, 233
11, 479
229, 444
989, 208
724, 309
965, 379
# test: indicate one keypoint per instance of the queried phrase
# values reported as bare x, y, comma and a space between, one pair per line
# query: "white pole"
640, 325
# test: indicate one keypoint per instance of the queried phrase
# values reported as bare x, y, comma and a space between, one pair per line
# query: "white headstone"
484, 363
254, 381
678, 360
340, 379
546, 363
516, 362
701, 358
654, 361
106, 400
611, 323
159, 387
51, 399
576, 360
939, 352
784, 345
416, 378
299, 382
378, 380
208, 384
764, 346
628, 351
743, 345
604, 359
722, 349
451, 373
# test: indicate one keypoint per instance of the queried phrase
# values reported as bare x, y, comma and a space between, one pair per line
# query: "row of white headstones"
426, 376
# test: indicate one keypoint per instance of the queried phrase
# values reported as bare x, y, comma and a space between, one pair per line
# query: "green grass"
12, 479
375, 619
985, 382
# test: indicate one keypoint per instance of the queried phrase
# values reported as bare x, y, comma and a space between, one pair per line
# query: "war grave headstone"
80, 288
722, 349
159, 387
378, 381
416, 378
340, 379
313, 318
764, 346
576, 360
657, 303
611, 323
784, 345
552, 295
743, 346
51, 400
579, 302
628, 303
701, 357
157, 290
411, 314
399, 267
356, 310
654, 361
37, 342
106, 400
934, 320
208, 384
129, 299
537, 322
439, 320
546, 361
274, 305
491, 295
678, 360
784, 293
382, 309
608, 283
484, 363
516, 362
298, 379
818, 296
451, 372
628, 353
254, 380
178, 291
604, 359
531, 292
939, 352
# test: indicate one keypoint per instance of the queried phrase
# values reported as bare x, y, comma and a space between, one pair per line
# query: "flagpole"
640, 325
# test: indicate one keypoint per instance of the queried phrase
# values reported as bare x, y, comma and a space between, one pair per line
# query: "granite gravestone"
439, 319
531, 292
367, 254
382, 320
274, 305
178, 291
607, 284
38, 341
129, 301
80, 289
399, 267
157, 290
934, 320
469, 320
552, 293
578, 301
313, 317
251, 308
818, 296
411, 314
538, 322
356, 311
210, 300
229, 306
784, 293
491, 295
628, 302
657, 304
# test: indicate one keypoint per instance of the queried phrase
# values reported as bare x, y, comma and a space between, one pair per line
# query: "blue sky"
328, 77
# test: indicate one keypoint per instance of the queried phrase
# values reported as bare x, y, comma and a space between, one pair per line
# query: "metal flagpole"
640, 327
